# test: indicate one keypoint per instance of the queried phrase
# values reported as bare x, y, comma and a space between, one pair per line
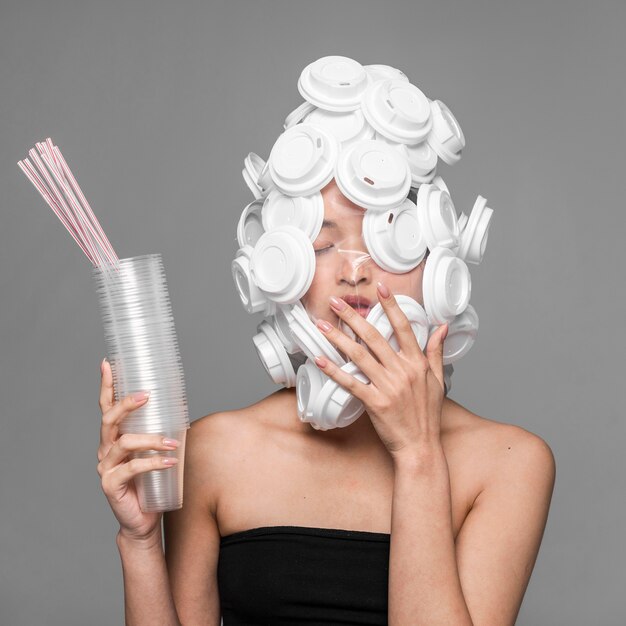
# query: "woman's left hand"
404, 397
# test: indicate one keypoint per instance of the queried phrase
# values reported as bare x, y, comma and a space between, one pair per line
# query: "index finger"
107, 395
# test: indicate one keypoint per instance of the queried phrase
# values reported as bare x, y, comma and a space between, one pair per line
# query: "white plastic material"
373, 175
462, 331
347, 127
298, 114
398, 110
422, 159
281, 321
282, 264
253, 166
273, 355
446, 286
303, 159
394, 239
475, 232
250, 225
309, 383
334, 83
437, 217
251, 296
384, 72
310, 339
265, 182
303, 212
446, 136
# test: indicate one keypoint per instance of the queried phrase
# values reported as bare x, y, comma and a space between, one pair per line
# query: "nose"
354, 268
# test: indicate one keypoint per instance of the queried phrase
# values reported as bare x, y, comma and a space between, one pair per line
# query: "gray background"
155, 105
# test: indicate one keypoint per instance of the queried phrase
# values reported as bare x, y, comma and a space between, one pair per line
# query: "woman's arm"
147, 595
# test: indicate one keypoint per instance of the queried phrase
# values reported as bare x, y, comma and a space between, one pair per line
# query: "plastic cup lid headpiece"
373, 175
303, 212
303, 159
422, 159
437, 217
298, 114
348, 127
476, 232
250, 226
446, 286
273, 355
309, 383
253, 166
398, 110
384, 72
252, 298
334, 83
446, 136
282, 264
281, 323
395, 239
462, 331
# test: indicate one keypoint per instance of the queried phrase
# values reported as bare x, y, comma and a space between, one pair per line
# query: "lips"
360, 304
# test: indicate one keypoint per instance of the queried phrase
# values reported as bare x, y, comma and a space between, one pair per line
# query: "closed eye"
323, 250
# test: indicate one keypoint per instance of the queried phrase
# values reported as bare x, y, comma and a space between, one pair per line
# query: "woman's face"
343, 266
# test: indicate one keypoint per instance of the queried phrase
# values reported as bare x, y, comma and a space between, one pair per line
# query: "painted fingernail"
323, 325
337, 303
140, 395
320, 361
383, 290
172, 443
170, 460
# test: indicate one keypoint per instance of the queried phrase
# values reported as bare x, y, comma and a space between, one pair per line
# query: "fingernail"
140, 395
170, 460
173, 443
383, 290
338, 303
102, 364
324, 325
321, 361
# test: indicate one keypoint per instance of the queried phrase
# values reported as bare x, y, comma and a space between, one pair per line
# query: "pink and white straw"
52, 177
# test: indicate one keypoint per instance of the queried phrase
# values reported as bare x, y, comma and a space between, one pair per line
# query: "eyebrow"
329, 224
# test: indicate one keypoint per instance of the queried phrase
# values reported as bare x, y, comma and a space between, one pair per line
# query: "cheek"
316, 298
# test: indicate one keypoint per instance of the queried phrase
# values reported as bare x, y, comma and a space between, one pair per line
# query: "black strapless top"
290, 575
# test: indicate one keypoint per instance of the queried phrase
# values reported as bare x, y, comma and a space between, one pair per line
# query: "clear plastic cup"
142, 348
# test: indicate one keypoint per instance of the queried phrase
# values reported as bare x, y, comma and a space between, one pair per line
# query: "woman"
417, 512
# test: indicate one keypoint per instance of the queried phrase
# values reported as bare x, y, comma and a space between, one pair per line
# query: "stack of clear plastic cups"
143, 352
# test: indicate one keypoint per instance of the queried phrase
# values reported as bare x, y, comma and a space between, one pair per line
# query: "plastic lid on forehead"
250, 226
346, 127
373, 175
252, 298
394, 238
298, 114
398, 110
475, 233
446, 136
310, 339
283, 263
273, 355
334, 83
385, 72
303, 159
437, 217
421, 157
446, 286
303, 212
462, 331
414, 312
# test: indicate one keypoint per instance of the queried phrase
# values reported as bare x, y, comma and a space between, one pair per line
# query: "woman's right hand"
117, 472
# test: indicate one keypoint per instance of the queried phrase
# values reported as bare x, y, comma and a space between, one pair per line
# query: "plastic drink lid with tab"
273, 355
446, 286
395, 239
422, 159
298, 114
461, 335
309, 382
476, 232
398, 110
252, 298
250, 225
385, 72
437, 217
251, 184
282, 264
303, 159
347, 127
303, 212
310, 339
281, 321
373, 175
446, 136
334, 83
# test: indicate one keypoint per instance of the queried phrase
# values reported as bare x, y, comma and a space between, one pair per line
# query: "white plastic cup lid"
446, 136
273, 355
475, 232
334, 83
422, 159
439, 181
265, 182
281, 320
303, 212
462, 331
347, 128
303, 159
398, 110
446, 286
252, 186
394, 238
462, 222
252, 298
283, 264
250, 226
298, 114
310, 339
309, 383
437, 217
384, 72
373, 175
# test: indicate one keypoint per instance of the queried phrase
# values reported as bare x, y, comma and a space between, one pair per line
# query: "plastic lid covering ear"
303, 212
282, 264
303, 159
334, 83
